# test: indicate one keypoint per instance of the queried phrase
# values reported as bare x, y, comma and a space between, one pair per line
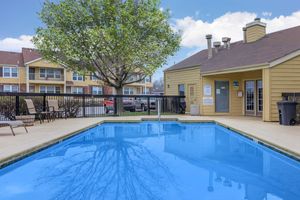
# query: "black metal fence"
87, 105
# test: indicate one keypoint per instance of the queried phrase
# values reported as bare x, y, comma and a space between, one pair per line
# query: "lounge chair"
13, 124
41, 115
57, 111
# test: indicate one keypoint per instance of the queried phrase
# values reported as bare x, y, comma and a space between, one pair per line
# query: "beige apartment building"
244, 78
29, 72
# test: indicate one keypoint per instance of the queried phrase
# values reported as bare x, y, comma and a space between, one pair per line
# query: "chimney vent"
257, 19
209, 48
245, 36
217, 45
254, 30
228, 43
225, 40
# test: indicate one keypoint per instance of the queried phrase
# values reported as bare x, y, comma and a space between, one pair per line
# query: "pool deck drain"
283, 138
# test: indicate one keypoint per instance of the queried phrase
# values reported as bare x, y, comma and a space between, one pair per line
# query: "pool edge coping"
25, 153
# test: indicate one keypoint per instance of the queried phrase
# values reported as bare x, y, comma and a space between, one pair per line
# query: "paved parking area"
285, 138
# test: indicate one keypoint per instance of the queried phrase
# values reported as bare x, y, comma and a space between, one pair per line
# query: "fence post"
115, 106
179, 105
148, 105
163, 104
177, 100
17, 105
44, 102
83, 106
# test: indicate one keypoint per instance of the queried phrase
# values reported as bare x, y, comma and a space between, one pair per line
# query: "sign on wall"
207, 90
236, 84
208, 101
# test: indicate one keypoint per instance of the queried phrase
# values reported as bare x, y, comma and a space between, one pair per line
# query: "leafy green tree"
118, 41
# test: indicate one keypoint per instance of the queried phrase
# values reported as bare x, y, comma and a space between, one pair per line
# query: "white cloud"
229, 25
16, 44
266, 14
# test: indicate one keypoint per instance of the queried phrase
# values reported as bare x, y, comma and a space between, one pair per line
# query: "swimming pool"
152, 160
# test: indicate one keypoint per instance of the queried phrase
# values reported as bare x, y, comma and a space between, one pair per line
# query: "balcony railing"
38, 76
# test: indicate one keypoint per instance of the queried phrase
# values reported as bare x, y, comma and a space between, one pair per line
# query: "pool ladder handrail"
158, 110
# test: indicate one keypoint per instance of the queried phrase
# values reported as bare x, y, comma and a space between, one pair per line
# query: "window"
148, 79
31, 88
10, 72
57, 89
43, 73
147, 90
49, 89
260, 95
97, 90
133, 77
181, 90
57, 73
77, 77
10, 88
250, 88
31, 74
128, 91
50, 73
77, 90
93, 77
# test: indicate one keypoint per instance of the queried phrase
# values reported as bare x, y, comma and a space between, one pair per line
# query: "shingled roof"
192, 61
265, 50
11, 58
30, 54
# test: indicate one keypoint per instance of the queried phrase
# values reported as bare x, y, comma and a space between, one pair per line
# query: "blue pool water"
151, 160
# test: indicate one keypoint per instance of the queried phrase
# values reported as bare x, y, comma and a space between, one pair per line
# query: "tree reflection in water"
109, 168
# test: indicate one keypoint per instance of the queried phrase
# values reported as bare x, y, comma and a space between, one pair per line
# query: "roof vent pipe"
209, 49
217, 45
245, 36
228, 43
224, 40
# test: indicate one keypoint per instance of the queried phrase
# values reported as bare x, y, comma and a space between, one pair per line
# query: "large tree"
118, 41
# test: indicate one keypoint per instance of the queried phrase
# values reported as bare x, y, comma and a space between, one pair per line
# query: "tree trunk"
120, 107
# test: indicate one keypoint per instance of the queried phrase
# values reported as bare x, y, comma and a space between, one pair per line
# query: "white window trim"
76, 75
55, 73
130, 90
99, 89
76, 88
10, 88
10, 71
94, 78
46, 89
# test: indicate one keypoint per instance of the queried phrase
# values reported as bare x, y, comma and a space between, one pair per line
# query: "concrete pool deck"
283, 138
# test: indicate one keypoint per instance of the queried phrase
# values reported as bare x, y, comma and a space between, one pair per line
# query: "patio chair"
41, 115
12, 125
57, 111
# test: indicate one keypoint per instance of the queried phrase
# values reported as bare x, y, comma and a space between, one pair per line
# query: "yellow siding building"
29, 72
243, 78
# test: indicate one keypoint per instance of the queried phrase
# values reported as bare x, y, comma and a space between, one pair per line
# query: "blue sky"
194, 18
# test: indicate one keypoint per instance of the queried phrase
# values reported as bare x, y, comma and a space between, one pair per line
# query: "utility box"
287, 112
194, 110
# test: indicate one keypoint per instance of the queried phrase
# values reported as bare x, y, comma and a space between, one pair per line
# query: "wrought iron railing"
53, 77
88, 105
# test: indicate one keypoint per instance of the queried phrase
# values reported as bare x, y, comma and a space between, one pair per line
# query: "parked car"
131, 105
